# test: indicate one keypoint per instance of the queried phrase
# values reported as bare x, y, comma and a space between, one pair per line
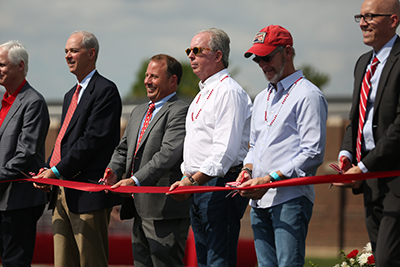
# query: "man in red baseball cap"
287, 140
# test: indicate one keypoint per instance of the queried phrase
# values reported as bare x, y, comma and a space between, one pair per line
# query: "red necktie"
56, 157
146, 122
365, 87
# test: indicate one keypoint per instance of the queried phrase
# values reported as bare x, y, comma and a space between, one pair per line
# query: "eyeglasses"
196, 50
268, 57
369, 16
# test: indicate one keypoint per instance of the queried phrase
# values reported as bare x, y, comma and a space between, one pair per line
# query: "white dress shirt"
294, 143
217, 127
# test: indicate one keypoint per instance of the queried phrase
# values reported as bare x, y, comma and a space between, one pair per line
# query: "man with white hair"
24, 122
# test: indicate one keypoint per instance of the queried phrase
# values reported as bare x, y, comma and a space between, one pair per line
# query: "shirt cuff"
136, 180
346, 154
56, 172
362, 167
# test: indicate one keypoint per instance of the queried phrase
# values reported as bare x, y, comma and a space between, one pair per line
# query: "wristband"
275, 176
183, 177
56, 172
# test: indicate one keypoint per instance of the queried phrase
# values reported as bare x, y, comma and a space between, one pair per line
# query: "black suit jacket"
157, 161
22, 138
89, 141
386, 121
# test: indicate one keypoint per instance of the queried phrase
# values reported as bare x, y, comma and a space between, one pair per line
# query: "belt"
237, 168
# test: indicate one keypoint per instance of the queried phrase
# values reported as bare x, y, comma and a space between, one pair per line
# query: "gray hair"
89, 41
219, 40
16, 54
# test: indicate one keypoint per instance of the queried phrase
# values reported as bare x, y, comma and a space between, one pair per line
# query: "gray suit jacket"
22, 138
157, 161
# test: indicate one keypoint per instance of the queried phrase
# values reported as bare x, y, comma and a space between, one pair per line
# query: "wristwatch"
192, 181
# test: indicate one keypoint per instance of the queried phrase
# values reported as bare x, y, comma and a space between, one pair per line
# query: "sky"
130, 31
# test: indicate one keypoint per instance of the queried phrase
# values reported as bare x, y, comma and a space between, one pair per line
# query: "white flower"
352, 261
344, 264
363, 258
368, 248
337, 265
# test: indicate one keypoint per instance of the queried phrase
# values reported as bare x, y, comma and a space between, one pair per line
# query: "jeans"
280, 232
216, 224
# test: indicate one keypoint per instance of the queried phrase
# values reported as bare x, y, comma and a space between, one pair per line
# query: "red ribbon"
322, 179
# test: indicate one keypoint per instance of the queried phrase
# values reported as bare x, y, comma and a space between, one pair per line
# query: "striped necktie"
365, 88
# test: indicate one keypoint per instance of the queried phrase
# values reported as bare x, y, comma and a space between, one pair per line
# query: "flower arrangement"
366, 258
354, 259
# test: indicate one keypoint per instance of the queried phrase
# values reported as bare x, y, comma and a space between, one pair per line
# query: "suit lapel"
14, 108
157, 117
141, 112
385, 72
82, 102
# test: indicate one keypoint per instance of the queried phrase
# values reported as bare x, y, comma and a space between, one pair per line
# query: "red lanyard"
283, 102
198, 99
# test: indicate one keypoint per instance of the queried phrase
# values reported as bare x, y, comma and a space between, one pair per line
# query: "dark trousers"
216, 224
18, 235
159, 243
382, 210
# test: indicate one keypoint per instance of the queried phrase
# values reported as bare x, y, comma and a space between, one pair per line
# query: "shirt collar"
212, 80
383, 54
287, 82
11, 98
160, 103
86, 80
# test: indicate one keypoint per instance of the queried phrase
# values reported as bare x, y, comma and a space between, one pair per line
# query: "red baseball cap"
268, 39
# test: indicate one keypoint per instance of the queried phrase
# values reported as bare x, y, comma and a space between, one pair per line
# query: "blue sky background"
130, 31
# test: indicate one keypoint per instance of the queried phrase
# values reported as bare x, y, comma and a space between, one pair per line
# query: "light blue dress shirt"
294, 143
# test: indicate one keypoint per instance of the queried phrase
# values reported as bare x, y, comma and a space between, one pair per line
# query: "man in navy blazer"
380, 140
24, 122
80, 219
161, 224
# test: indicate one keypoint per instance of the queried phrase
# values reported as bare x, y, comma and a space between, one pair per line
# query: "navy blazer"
386, 120
89, 141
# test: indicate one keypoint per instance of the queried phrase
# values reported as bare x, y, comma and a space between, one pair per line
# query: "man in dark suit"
89, 133
150, 154
24, 122
378, 129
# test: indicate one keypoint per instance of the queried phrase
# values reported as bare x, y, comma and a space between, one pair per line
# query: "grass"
322, 262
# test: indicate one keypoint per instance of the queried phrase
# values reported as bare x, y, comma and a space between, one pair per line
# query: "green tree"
320, 79
188, 87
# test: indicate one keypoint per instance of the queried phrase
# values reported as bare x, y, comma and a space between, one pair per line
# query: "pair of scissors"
103, 179
235, 184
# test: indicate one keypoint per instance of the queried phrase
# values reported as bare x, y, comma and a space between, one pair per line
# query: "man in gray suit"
24, 122
150, 154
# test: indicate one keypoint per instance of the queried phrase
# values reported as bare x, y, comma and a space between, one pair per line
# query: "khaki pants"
80, 240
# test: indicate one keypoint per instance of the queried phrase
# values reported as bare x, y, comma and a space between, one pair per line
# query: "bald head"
382, 26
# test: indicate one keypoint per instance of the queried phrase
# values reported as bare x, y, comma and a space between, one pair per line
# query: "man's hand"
256, 193
124, 182
44, 173
243, 177
344, 163
109, 177
353, 184
179, 197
